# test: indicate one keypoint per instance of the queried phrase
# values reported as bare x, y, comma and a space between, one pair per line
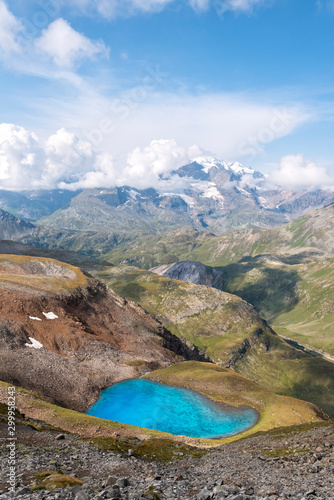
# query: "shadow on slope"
278, 367
265, 282
299, 258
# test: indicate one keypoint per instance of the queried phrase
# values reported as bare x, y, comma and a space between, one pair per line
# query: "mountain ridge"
11, 226
206, 194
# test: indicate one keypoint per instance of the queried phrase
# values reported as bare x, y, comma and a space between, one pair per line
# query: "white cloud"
63, 161
295, 171
326, 5
200, 5
65, 46
9, 29
61, 45
20, 157
230, 125
65, 153
146, 166
102, 173
114, 8
239, 6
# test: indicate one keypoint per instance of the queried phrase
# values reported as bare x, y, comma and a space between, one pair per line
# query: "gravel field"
280, 465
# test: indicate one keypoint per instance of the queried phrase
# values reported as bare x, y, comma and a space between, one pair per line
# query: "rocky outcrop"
193, 271
239, 352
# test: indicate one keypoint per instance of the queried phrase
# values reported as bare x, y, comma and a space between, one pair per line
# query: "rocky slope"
66, 336
294, 463
13, 227
193, 271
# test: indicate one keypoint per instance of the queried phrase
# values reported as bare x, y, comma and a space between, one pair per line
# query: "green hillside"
230, 331
308, 238
286, 272
147, 250
297, 300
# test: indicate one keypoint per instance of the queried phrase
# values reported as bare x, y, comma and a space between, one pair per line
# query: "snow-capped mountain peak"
209, 162
240, 169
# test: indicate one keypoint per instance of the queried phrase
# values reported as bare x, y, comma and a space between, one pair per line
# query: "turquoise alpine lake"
175, 410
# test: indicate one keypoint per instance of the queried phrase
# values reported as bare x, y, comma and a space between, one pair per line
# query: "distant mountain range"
207, 194
34, 204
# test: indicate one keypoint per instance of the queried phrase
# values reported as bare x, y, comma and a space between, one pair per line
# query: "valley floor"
307, 348
295, 463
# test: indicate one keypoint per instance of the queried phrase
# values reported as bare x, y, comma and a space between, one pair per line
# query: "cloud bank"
295, 172
65, 161
231, 126
62, 161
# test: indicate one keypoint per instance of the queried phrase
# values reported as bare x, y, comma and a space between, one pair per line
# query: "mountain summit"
209, 163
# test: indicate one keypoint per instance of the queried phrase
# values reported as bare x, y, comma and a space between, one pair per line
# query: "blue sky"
111, 91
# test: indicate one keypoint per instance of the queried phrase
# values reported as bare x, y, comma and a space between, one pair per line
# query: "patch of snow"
201, 186
50, 315
212, 192
133, 194
263, 201
188, 199
241, 190
34, 344
35, 318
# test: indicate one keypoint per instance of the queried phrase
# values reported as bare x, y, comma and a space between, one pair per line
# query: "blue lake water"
171, 409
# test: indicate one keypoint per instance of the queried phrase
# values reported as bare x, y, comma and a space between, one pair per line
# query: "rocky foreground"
295, 463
